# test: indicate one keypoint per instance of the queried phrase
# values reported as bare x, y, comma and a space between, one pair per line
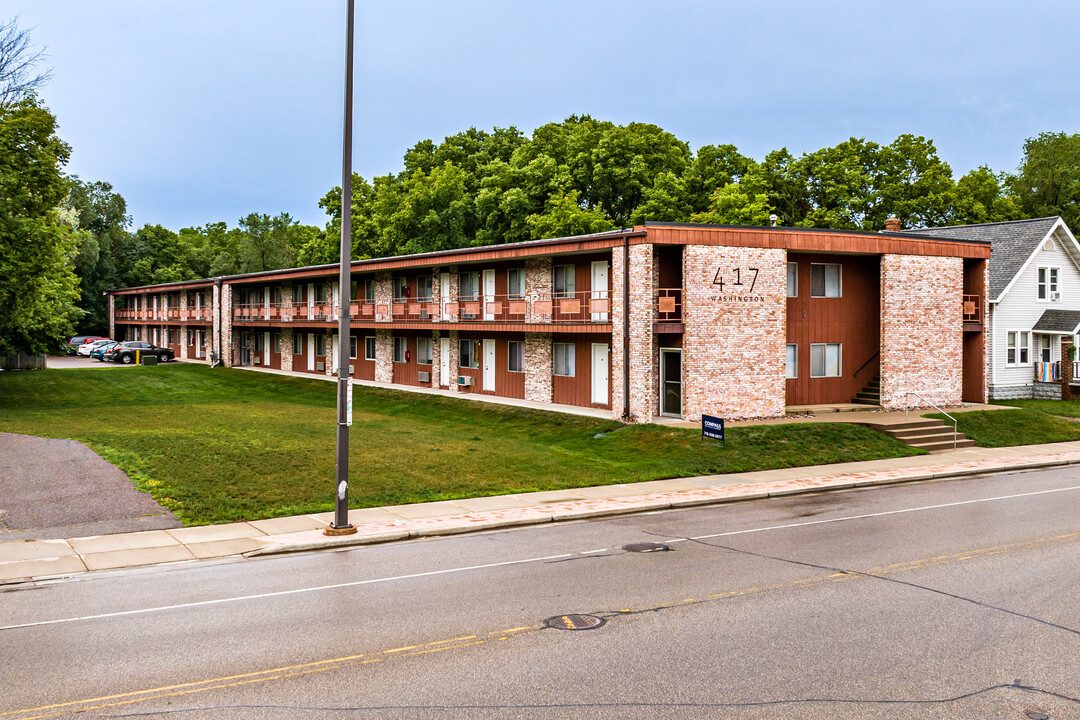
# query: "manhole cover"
646, 547
574, 622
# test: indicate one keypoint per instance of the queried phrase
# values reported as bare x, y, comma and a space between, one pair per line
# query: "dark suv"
125, 352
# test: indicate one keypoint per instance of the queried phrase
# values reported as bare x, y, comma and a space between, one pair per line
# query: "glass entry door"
671, 382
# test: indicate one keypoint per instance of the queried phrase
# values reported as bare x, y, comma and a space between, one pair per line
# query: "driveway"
61, 489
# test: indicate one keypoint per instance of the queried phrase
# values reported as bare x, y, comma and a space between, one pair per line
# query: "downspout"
626, 328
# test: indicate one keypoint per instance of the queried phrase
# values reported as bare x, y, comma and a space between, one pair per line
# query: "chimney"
892, 224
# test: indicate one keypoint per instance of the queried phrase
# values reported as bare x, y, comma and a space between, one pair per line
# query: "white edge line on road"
448, 571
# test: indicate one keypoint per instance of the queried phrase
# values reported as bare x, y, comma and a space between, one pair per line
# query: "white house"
1034, 293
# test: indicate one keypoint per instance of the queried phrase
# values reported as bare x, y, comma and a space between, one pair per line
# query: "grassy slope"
1036, 421
223, 445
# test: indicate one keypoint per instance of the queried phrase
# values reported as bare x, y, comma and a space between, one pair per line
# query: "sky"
200, 111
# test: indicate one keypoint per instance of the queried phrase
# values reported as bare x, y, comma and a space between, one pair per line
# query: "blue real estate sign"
712, 428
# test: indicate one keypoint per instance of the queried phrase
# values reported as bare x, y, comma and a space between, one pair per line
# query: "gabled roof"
1012, 244
1058, 322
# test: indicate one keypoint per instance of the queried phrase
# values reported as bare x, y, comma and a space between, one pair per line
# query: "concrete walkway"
45, 558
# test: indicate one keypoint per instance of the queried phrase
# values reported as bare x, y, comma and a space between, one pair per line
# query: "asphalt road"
955, 599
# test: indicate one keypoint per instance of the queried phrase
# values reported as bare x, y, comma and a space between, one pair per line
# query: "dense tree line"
65, 241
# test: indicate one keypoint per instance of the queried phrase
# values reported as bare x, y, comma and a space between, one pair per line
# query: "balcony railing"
585, 306
668, 305
972, 309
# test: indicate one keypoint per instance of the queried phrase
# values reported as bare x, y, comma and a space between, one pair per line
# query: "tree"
19, 74
1048, 180
734, 205
980, 196
100, 218
38, 287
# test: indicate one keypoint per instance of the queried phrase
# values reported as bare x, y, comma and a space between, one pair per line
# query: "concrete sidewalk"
22, 560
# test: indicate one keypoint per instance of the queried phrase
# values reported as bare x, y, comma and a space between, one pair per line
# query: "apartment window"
424, 348
401, 347
469, 357
401, 288
793, 279
564, 359
564, 281
298, 294
792, 361
468, 285
172, 337
275, 295
258, 342
515, 283
298, 344
825, 280
320, 292
320, 346
369, 348
516, 353
423, 288
1044, 348
277, 343
369, 290
1048, 284
824, 360
352, 347
1017, 347
190, 337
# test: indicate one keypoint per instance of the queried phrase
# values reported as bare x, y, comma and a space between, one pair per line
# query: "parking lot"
68, 362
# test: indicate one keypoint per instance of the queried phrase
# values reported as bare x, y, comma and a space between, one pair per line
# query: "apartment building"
663, 319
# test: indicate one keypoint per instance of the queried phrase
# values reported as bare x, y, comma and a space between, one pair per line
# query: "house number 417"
737, 273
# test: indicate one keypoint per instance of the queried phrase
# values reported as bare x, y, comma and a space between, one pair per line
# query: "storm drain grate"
646, 547
574, 622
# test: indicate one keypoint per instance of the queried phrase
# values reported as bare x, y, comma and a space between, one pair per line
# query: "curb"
648, 506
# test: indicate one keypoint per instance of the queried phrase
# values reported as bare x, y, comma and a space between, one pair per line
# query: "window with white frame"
469, 285
369, 290
792, 361
515, 356
1017, 347
564, 281
352, 347
1045, 345
277, 343
515, 283
401, 347
320, 345
369, 348
563, 360
825, 360
298, 344
793, 279
1048, 284
401, 288
172, 337
258, 342
825, 280
469, 357
424, 347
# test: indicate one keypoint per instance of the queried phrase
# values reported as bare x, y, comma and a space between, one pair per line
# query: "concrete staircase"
926, 434
870, 394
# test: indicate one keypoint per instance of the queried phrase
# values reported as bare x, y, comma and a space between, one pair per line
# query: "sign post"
712, 428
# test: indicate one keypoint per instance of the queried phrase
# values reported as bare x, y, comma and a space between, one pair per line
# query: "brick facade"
538, 361
225, 350
384, 297
643, 346
734, 337
538, 285
922, 346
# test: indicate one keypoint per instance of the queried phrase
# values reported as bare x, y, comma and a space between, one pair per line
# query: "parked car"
125, 352
78, 340
101, 348
88, 347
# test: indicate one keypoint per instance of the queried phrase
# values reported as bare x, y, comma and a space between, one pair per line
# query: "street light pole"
341, 525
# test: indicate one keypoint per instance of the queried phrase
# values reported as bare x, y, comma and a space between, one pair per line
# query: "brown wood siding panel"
405, 373
577, 390
852, 320
972, 388
508, 384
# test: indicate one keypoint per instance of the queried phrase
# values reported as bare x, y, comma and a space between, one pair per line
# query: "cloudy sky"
205, 110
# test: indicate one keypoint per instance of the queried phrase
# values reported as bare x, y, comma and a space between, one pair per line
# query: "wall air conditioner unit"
320, 366
466, 381
424, 377
1055, 296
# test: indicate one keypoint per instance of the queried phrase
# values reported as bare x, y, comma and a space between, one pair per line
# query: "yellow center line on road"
464, 641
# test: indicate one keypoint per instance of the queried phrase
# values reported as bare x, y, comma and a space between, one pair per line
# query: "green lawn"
1034, 422
225, 445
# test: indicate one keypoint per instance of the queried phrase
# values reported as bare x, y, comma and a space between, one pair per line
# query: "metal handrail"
940, 410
